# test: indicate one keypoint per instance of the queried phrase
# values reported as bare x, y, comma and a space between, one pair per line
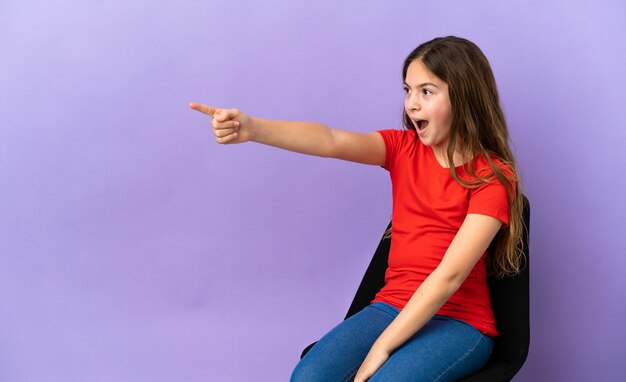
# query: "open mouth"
421, 124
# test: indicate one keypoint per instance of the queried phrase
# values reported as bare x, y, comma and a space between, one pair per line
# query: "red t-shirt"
429, 207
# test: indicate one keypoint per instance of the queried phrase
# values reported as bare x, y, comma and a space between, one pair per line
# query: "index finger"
208, 110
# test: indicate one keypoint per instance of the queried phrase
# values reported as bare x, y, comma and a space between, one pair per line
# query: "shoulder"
397, 140
395, 134
399, 145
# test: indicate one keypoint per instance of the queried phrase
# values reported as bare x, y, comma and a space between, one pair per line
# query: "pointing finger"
208, 110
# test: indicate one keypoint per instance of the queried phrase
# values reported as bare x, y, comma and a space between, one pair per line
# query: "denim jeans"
445, 349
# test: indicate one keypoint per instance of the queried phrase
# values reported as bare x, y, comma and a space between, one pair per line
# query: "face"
427, 104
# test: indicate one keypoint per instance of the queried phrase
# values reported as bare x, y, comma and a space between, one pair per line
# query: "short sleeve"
490, 199
394, 140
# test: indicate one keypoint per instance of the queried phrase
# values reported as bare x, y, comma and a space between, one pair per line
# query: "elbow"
449, 282
330, 146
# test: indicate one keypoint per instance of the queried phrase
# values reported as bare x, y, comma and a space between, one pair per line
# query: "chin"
425, 141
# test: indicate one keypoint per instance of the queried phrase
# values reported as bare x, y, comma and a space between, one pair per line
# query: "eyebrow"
424, 84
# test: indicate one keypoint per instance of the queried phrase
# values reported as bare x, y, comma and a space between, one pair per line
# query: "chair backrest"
509, 300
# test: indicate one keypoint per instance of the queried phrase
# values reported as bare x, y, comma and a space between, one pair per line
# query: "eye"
426, 92
406, 90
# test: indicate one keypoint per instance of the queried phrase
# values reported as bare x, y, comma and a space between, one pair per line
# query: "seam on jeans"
467, 353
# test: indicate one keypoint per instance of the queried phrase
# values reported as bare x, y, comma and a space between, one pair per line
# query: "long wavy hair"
478, 128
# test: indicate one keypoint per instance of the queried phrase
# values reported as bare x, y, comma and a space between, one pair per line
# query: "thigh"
444, 349
338, 355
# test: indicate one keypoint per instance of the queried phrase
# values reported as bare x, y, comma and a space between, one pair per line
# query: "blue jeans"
445, 349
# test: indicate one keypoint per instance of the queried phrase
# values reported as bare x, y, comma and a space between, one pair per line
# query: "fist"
229, 125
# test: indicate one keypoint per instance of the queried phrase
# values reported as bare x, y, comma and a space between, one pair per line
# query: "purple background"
135, 248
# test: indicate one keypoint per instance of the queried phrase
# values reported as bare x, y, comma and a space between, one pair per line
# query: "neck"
442, 157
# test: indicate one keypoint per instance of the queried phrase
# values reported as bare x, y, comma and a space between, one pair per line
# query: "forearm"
425, 302
302, 137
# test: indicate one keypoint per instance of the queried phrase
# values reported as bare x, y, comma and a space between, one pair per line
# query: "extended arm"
469, 244
233, 126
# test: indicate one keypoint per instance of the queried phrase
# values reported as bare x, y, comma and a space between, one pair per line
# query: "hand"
374, 360
229, 125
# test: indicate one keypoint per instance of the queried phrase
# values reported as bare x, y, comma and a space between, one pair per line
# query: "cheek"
444, 114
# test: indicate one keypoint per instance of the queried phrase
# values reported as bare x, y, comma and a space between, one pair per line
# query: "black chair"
509, 300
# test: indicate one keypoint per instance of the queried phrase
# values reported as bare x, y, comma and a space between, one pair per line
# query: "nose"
412, 102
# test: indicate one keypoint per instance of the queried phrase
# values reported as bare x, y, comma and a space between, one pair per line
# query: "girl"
456, 215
